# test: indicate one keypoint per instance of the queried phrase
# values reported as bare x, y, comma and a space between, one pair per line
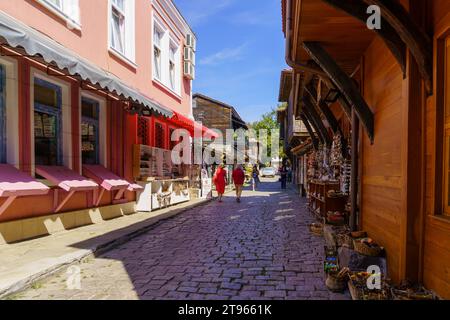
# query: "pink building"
81, 83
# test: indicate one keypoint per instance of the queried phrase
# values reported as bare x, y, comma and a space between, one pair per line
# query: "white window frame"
157, 29
69, 10
167, 41
128, 54
173, 47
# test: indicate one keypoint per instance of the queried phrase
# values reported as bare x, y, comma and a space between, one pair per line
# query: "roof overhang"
344, 37
303, 148
285, 85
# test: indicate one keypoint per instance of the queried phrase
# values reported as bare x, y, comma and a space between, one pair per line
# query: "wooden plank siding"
382, 168
436, 243
212, 115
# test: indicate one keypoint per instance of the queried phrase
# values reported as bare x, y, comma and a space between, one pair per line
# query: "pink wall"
92, 44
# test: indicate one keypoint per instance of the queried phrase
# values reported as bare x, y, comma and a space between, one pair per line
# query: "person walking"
238, 179
219, 180
289, 175
255, 177
283, 176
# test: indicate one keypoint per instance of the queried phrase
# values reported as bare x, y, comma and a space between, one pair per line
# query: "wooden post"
354, 174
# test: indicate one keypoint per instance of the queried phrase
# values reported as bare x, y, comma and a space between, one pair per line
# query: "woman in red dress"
238, 179
220, 181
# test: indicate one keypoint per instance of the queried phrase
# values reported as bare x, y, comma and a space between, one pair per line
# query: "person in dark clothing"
283, 176
289, 175
255, 177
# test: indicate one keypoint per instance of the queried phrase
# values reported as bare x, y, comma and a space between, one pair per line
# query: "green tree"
268, 121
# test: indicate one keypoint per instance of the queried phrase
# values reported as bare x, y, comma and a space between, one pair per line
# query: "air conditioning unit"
190, 41
189, 55
189, 70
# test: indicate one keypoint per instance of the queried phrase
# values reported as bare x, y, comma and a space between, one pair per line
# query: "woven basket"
402, 295
335, 284
364, 249
344, 240
316, 229
354, 292
358, 234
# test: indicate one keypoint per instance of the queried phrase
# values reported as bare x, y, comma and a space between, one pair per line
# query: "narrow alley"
258, 249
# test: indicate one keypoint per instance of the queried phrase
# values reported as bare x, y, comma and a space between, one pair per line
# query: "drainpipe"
295, 65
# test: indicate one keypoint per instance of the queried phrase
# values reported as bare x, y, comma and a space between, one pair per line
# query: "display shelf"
320, 202
159, 194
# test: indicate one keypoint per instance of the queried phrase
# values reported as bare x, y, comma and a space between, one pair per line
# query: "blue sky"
240, 52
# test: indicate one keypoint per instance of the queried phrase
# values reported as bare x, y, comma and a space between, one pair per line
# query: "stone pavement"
258, 249
26, 262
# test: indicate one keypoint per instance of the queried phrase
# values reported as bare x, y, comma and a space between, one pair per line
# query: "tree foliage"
268, 122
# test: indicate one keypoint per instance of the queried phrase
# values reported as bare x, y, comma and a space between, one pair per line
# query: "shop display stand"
153, 170
319, 201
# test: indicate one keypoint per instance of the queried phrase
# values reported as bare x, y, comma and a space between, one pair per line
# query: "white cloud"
252, 18
224, 55
200, 10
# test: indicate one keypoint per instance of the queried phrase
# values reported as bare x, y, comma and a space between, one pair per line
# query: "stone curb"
96, 249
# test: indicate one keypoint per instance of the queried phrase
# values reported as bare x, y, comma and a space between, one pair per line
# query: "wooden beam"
314, 140
358, 9
346, 107
323, 107
311, 110
418, 42
344, 83
312, 126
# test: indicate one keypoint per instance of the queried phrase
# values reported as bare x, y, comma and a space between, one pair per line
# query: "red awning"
209, 132
189, 124
182, 121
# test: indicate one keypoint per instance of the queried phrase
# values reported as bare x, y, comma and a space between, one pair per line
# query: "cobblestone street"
258, 249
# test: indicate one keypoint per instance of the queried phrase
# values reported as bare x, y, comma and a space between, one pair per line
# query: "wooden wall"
381, 163
436, 245
213, 115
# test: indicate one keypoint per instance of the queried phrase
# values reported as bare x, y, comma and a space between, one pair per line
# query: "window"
47, 123
143, 131
2, 114
157, 37
67, 9
56, 3
118, 26
172, 66
122, 27
159, 135
166, 57
90, 131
